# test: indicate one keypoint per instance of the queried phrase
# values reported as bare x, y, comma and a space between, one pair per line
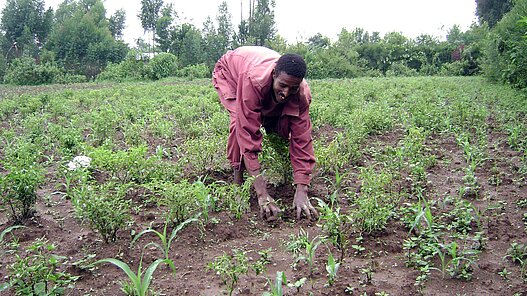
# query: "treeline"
78, 42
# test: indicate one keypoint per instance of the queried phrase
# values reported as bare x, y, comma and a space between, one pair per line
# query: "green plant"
230, 267
337, 226
37, 272
304, 248
139, 283
104, 207
518, 254
460, 263
260, 265
332, 268
165, 242
18, 190
163, 65
9, 230
234, 197
276, 288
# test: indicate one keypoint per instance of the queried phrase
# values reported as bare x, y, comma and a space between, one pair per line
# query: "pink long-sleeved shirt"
243, 80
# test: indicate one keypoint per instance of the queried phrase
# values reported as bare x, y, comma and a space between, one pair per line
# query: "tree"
217, 40
187, 45
82, 42
116, 23
491, 11
261, 22
164, 27
225, 28
26, 25
149, 16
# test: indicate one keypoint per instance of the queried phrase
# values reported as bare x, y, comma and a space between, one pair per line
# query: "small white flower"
80, 161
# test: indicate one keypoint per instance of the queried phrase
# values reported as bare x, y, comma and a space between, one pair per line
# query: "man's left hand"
301, 203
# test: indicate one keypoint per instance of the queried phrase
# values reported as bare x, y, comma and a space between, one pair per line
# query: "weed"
230, 267
104, 207
37, 274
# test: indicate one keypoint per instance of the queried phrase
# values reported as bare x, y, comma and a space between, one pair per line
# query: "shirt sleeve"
301, 147
248, 122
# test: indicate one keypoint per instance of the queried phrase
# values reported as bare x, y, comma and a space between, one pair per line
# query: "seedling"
276, 288
332, 268
164, 246
229, 268
140, 281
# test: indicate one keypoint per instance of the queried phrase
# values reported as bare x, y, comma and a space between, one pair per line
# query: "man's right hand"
268, 208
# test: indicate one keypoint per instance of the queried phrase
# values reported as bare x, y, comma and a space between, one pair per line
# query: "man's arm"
303, 161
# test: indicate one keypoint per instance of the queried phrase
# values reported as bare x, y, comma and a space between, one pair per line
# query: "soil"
383, 255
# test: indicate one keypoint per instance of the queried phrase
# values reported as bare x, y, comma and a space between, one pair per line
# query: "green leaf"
147, 278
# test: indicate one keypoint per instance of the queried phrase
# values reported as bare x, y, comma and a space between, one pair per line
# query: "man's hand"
268, 208
301, 203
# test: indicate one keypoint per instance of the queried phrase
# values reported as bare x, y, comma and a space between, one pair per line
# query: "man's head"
288, 73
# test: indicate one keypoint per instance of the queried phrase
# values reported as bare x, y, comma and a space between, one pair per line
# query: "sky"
297, 20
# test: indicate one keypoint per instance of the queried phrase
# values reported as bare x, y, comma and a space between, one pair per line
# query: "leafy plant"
230, 267
37, 272
104, 207
304, 248
18, 190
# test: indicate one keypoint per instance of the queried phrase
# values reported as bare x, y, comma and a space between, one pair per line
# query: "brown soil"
384, 254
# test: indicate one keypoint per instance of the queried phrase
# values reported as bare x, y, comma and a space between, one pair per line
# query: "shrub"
163, 65
104, 207
194, 71
400, 69
24, 71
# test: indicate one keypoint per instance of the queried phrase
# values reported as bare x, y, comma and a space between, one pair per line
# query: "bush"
134, 67
400, 69
194, 71
163, 65
506, 60
24, 71
456, 68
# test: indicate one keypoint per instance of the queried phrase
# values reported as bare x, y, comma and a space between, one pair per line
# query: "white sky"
297, 20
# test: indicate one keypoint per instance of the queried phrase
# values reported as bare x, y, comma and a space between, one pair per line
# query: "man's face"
284, 85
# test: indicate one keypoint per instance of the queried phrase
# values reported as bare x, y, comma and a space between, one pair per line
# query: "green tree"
116, 23
261, 22
164, 27
491, 11
82, 42
217, 39
26, 26
149, 16
187, 45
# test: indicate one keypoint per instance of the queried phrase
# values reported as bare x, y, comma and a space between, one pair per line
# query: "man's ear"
274, 73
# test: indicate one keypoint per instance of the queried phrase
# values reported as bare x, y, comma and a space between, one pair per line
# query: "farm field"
420, 184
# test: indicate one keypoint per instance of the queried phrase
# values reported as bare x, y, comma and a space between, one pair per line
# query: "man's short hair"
292, 64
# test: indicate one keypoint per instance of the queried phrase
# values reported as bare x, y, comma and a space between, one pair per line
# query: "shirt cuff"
301, 178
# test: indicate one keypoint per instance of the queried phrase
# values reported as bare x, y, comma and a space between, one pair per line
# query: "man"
261, 88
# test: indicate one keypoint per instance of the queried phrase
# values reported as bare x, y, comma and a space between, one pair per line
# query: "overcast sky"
297, 20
